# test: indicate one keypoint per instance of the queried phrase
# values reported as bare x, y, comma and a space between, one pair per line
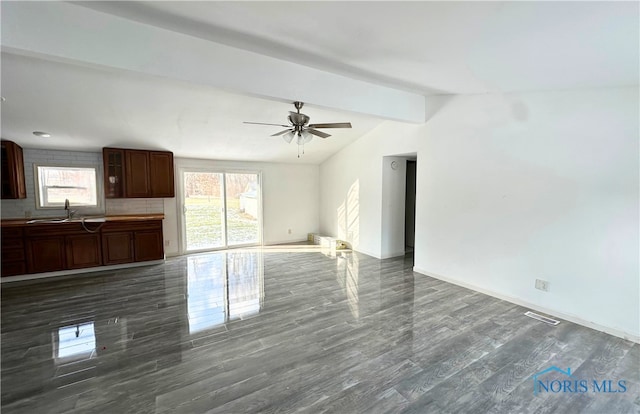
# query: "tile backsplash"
117, 206
27, 207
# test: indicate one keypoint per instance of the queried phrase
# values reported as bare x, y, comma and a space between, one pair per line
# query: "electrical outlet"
27, 214
167, 243
289, 231
542, 285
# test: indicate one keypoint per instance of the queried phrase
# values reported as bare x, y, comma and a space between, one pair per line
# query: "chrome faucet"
67, 206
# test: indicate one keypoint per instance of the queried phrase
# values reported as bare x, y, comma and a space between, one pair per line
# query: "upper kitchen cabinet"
13, 184
137, 173
113, 159
161, 168
133, 173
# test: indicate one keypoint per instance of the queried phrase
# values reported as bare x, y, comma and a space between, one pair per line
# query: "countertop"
124, 217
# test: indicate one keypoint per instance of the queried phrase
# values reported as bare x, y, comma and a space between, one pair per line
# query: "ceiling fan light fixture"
288, 137
304, 137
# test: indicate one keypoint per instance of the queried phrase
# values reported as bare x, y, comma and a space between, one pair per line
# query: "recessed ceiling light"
41, 134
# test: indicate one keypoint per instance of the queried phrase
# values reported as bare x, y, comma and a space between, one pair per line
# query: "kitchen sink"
71, 220
48, 221
93, 219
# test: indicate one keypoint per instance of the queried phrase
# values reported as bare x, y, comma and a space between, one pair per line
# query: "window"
57, 184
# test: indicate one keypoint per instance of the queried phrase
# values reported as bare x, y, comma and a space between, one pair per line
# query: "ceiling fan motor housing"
298, 119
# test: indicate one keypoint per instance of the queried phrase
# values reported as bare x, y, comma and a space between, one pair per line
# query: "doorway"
220, 210
410, 207
399, 174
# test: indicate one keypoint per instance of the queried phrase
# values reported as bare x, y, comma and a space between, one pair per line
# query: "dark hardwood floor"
286, 330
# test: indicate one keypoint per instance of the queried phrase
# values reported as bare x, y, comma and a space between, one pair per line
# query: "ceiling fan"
300, 128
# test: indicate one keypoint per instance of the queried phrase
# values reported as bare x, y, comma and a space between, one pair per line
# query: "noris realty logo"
565, 383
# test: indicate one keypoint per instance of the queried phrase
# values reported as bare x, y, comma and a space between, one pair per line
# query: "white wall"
510, 189
393, 206
351, 186
290, 199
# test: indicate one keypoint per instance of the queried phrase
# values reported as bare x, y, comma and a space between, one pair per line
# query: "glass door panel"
204, 210
243, 207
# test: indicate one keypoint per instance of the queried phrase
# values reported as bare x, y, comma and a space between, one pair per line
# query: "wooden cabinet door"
13, 258
13, 268
161, 167
18, 168
117, 248
114, 179
148, 245
83, 250
137, 173
45, 254
12, 176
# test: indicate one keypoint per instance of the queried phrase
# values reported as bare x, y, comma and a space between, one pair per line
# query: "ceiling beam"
72, 33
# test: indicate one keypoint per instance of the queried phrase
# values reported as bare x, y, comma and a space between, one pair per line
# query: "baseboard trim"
367, 253
45, 275
390, 255
273, 243
552, 312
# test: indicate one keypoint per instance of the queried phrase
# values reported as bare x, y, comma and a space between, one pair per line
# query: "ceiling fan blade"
317, 133
280, 133
332, 125
262, 123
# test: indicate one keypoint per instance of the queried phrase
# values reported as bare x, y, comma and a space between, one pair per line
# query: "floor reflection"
74, 342
223, 287
348, 269
246, 284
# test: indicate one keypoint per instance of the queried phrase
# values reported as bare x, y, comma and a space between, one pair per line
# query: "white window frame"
85, 209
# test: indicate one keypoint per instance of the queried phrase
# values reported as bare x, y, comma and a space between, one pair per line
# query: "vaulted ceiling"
184, 75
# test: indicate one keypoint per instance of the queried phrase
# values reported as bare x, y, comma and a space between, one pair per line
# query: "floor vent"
542, 318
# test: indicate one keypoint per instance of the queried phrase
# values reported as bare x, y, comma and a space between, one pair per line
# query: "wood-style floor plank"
289, 330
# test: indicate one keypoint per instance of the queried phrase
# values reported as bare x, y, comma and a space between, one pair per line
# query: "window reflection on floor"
245, 284
223, 287
207, 291
347, 275
74, 342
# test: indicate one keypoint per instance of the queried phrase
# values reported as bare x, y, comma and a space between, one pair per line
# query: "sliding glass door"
204, 210
242, 208
220, 209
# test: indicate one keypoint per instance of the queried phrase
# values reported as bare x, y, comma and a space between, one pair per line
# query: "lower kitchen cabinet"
132, 242
148, 245
117, 247
13, 268
40, 248
45, 254
13, 252
83, 250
